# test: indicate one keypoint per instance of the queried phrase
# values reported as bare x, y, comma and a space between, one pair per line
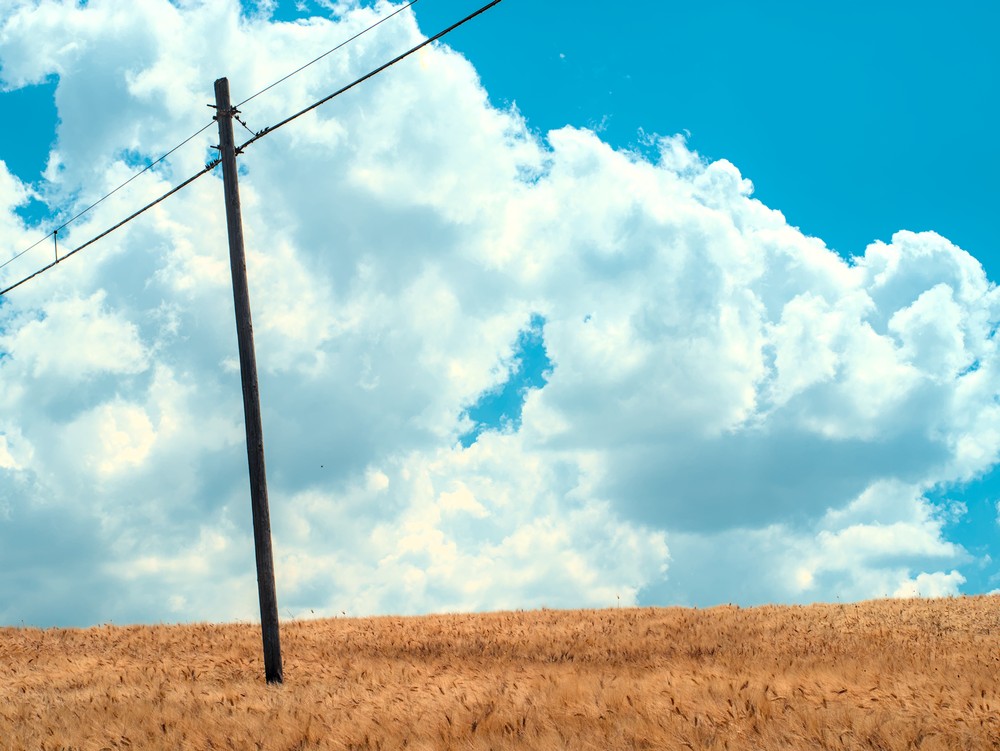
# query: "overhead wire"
108, 195
328, 52
54, 233
375, 72
214, 163
208, 168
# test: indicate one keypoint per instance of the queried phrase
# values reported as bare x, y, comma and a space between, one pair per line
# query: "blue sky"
627, 365
854, 119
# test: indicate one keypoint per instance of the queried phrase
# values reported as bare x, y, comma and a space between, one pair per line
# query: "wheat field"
888, 674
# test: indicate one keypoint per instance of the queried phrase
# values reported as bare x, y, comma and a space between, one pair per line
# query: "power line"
342, 44
211, 165
324, 100
140, 172
30, 247
149, 166
55, 232
208, 168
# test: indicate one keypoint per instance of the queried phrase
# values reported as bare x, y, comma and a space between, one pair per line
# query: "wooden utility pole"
251, 395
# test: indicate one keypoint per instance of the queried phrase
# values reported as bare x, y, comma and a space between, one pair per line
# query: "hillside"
892, 674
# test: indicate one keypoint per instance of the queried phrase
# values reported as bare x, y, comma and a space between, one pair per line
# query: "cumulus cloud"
467, 534
938, 584
733, 411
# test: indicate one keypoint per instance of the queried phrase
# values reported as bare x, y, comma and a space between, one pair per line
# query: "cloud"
458, 535
112, 343
937, 584
732, 412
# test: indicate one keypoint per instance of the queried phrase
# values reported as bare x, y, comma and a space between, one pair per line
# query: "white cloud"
467, 536
111, 438
720, 383
7, 461
938, 584
102, 342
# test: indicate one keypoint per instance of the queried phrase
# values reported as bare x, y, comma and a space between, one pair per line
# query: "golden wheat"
894, 674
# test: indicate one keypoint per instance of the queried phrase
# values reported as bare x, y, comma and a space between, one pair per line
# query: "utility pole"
251, 395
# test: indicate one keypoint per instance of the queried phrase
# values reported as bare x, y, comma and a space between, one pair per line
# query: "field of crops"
892, 674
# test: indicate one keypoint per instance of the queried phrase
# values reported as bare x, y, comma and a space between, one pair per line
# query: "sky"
584, 305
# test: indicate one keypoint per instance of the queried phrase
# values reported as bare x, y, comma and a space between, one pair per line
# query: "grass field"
892, 674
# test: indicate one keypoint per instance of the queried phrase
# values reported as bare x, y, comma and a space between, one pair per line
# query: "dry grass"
897, 674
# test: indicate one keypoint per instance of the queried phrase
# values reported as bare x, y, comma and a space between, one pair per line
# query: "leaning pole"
251, 394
